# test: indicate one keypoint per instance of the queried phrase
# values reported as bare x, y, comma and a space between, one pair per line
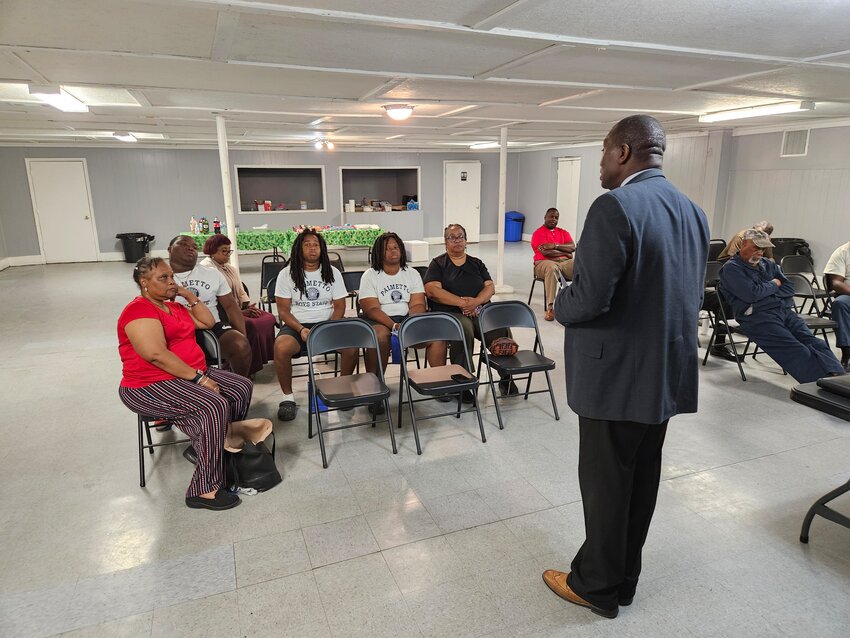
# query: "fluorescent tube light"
478, 146
399, 111
124, 136
757, 111
56, 97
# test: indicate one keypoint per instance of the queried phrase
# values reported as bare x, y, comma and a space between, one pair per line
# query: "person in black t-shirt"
460, 284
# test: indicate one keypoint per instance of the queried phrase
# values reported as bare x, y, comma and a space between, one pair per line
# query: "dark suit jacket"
630, 344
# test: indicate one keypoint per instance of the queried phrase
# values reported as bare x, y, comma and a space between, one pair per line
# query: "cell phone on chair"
460, 378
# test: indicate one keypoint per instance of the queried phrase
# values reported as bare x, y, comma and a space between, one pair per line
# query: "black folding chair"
514, 314
817, 322
352, 279
146, 422
269, 271
433, 383
347, 391
715, 247
336, 260
802, 265
719, 319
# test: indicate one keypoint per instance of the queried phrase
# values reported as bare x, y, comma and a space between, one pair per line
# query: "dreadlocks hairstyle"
296, 260
380, 246
144, 267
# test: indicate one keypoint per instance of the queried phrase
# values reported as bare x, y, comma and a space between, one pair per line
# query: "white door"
462, 196
569, 170
62, 206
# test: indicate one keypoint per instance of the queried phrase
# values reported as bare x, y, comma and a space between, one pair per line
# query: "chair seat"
352, 389
817, 323
524, 361
436, 381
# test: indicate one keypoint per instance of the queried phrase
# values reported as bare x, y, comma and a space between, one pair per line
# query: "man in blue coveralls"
761, 300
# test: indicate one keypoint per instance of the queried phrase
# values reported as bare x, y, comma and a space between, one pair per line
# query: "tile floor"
450, 543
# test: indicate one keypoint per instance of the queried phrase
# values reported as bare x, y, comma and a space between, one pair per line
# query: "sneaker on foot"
287, 410
377, 408
507, 387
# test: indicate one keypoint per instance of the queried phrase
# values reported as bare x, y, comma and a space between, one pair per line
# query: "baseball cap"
758, 237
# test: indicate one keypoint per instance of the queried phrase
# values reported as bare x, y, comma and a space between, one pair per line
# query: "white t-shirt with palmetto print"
315, 303
392, 291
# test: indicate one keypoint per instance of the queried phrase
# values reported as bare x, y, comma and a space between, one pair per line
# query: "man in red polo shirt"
553, 251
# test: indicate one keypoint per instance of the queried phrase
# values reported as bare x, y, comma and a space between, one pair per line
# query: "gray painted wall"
157, 190
537, 176
806, 197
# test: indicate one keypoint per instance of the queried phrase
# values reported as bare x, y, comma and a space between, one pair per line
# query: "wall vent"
795, 143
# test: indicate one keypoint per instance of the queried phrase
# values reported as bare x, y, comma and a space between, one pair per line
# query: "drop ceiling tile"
628, 68
828, 84
658, 101
116, 25
372, 48
466, 12
90, 68
763, 27
472, 91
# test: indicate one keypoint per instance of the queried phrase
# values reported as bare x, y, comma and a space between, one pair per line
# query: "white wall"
807, 197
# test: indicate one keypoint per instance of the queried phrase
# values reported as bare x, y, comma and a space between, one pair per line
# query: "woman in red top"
165, 375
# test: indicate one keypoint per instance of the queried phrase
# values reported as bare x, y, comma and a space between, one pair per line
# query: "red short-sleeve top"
179, 336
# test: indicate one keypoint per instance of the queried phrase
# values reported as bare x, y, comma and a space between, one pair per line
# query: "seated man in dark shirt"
761, 300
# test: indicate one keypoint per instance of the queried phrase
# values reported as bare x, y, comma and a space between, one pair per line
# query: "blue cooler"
513, 225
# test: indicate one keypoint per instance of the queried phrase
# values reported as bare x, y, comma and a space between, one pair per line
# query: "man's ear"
625, 153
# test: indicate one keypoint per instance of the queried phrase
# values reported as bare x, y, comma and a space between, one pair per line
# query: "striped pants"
198, 412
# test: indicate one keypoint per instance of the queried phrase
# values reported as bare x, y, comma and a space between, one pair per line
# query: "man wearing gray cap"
761, 300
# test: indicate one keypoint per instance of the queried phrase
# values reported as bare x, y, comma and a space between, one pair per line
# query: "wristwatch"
199, 374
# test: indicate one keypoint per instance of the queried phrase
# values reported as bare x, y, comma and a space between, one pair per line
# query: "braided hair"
144, 267
380, 246
296, 260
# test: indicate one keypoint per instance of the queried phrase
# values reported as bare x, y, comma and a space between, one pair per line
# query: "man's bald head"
633, 144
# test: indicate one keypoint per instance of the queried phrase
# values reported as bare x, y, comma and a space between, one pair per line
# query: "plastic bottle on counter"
216, 226
193, 225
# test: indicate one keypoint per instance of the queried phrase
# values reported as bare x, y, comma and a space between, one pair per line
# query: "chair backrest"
271, 286
715, 247
351, 279
269, 269
336, 260
506, 314
712, 273
421, 270
431, 326
803, 287
796, 264
333, 335
210, 345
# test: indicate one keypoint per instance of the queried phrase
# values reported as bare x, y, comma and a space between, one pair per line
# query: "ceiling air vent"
795, 143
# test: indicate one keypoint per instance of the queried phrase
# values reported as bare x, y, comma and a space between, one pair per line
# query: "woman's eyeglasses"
455, 238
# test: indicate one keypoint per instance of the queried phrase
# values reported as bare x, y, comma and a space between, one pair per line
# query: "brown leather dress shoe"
550, 315
557, 582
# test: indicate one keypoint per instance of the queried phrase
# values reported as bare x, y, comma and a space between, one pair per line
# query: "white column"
224, 162
501, 287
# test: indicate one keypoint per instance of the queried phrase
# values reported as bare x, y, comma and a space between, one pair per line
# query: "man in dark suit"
630, 350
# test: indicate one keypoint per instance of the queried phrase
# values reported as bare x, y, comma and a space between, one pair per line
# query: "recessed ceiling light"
124, 136
757, 111
58, 98
399, 111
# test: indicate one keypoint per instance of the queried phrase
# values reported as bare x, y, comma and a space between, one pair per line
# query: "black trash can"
136, 245
513, 225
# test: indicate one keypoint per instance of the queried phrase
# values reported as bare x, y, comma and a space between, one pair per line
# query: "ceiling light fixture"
123, 136
317, 145
478, 146
757, 111
58, 98
320, 143
399, 112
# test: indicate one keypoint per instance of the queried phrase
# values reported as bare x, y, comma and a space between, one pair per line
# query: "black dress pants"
619, 469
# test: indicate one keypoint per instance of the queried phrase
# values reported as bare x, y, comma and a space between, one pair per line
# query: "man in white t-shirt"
308, 290
391, 291
837, 273
212, 289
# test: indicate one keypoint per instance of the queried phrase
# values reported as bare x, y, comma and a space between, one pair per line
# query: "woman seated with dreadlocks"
389, 292
308, 290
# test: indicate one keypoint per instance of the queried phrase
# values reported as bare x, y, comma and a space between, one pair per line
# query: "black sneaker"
223, 500
507, 387
190, 455
445, 398
468, 396
287, 410
723, 353
377, 408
